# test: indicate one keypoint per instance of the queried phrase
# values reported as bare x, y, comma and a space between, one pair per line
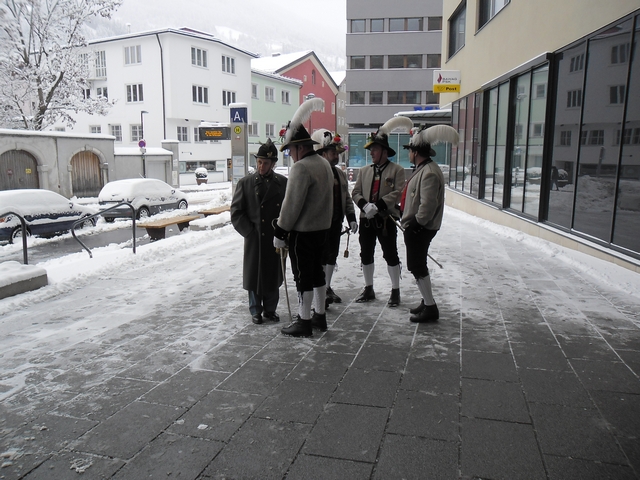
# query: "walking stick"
399, 225
346, 252
283, 264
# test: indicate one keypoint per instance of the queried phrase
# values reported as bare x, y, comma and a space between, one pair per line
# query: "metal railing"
84, 219
24, 234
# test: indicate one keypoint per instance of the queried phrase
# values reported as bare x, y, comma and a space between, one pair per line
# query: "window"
565, 138
200, 94
285, 94
136, 133
101, 92
199, 57
228, 97
616, 94
620, 53
357, 62
228, 64
577, 63
86, 93
270, 130
432, 97
405, 61
596, 137
433, 60
253, 129
95, 129
116, 131
489, 9
101, 64
457, 29
357, 26
183, 134
196, 135
333, 108
574, 98
133, 55
84, 60
626, 139
583, 137
254, 90
356, 98
269, 94
313, 77
405, 24
377, 25
537, 129
375, 98
540, 90
434, 23
403, 98
134, 93
376, 61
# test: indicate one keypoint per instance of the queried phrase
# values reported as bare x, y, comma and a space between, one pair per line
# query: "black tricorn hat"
268, 150
381, 137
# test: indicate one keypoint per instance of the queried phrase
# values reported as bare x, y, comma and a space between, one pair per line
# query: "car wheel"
182, 205
88, 222
143, 212
17, 234
109, 219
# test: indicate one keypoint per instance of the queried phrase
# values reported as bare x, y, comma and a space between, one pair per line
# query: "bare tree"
44, 67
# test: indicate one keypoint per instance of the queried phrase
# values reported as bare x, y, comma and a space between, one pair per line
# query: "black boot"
332, 295
428, 314
417, 309
257, 319
394, 299
299, 328
273, 316
319, 321
366, 295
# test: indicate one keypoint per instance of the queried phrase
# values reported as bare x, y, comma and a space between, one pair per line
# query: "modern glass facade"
558, 141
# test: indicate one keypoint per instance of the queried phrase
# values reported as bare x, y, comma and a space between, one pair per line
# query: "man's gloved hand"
279, 243
414, 226
354, 227
370, 210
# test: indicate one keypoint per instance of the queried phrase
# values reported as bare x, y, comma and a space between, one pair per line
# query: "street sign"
214, 133
142, 144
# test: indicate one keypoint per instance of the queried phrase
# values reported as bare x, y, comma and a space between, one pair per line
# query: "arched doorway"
86, 178
18, 169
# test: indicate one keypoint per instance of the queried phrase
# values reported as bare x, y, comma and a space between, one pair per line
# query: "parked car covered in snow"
147, 195
46, 213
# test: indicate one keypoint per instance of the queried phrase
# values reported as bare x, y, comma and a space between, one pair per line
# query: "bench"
156, 229
215, 210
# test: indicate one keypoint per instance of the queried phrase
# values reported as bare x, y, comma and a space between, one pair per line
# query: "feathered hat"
295, 133
268, 150
422, 140
381, 137
326, 140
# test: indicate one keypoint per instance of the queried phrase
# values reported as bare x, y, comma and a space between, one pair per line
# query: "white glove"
370, 210
354, 227
279, 243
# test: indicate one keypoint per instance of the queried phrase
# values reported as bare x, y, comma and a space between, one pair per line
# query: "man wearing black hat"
330, 146
422, 207
305, 218
256, 203
376, 192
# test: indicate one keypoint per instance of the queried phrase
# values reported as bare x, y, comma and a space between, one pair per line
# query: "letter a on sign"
237, 118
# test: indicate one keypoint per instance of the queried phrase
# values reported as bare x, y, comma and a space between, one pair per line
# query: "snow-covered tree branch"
43, 75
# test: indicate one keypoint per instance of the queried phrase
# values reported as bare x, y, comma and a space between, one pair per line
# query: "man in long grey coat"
256, 203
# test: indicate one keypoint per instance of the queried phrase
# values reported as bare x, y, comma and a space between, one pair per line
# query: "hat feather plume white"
303, 113
395, 123
441, 134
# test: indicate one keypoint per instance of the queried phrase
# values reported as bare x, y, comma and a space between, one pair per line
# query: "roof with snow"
338, 77
278, 61
275, 76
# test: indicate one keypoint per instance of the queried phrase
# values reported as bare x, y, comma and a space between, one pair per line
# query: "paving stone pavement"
531, 373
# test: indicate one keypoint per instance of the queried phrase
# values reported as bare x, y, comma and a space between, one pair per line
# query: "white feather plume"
394, 124
303, 113
440, 134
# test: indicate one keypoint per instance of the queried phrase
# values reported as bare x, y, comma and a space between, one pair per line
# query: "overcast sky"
263, 27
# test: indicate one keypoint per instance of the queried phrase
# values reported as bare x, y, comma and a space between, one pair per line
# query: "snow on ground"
73, 271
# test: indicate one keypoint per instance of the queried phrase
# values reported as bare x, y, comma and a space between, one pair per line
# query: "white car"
282, 170
147, 195
46, 213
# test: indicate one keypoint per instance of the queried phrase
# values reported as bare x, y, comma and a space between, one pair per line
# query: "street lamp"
309, 96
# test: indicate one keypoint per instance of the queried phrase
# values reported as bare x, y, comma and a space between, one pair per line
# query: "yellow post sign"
446, 81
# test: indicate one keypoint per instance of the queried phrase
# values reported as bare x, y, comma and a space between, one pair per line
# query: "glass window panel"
598, 159
518, 154
357, 26
377, 25
375, 98
490, 143
358, 155
501, 143
356, 98
357, 62
376, 61
396, 24
459, 175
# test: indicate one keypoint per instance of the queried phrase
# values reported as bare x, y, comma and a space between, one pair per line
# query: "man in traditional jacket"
256, 203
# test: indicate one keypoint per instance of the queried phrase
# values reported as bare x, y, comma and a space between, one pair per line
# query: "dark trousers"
417, 244
305, 251
268, 302
384, 231
332, 245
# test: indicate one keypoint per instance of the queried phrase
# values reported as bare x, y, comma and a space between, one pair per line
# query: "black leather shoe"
319, 321
428, 314
299, 328
417, 309
273, 316
257, 319
394, 299
366, 295
332, 295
